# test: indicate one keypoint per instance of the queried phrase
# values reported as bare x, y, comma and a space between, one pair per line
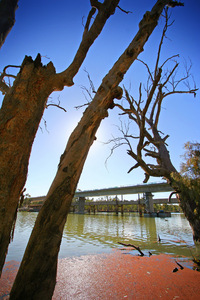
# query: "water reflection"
91, 234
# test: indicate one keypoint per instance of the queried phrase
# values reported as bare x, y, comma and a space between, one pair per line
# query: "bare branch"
151, 153
172, 3
146, 67
90, 81
4, 88
118, 142
165, 138
10, 75
182, 92
83, 105
154, 86
125, 11
169, 58
88, 91
159, 102
52, 104
170, 74
10, 66
134, 167
144, 111
161, 41
45, 126
89, 36
146, 178
131, 136
56, 105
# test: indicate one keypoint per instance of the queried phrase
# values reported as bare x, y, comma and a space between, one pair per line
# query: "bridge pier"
81, 205
148, 199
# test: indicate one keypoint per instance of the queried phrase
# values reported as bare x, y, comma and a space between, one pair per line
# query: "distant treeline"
134, 208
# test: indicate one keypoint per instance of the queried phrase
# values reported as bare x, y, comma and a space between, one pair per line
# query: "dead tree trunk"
36, 277
7, 18
189, 202
22, 110
188, 196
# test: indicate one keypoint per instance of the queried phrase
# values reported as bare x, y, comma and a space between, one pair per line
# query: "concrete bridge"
125, 190
145, 189
93, 206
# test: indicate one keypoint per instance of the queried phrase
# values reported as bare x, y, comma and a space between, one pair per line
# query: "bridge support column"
81, 205
149, 202
116, 206
140, 209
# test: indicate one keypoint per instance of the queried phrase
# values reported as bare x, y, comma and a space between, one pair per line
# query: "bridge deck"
125, 190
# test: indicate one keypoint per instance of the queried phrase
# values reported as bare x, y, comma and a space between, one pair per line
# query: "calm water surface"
92, 234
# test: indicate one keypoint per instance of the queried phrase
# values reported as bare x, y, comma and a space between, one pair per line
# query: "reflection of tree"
150, 228
106, 230
75, 226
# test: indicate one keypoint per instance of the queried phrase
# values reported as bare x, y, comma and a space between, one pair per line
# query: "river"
93, 234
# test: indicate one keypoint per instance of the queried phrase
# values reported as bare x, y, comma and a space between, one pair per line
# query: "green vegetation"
27, 200
189, 177
167, 207
190, 169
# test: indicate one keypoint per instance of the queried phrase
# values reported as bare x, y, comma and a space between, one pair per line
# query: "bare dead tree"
47, 233
151, 143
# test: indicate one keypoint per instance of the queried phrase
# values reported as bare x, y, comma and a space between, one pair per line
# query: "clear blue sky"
54, 29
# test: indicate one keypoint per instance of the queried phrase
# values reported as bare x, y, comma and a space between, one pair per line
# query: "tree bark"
188, 195
20, 115
189, 202
22, 109
7, 18
36, 277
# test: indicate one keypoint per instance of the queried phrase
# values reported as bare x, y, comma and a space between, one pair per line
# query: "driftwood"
180, 266
175, 270
135, 247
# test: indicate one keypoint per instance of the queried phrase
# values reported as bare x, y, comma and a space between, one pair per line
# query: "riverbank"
118, 275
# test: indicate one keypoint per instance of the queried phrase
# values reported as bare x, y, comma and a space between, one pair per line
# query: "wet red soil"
117, 276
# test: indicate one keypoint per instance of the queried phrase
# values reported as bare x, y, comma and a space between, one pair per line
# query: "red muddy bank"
117, 276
